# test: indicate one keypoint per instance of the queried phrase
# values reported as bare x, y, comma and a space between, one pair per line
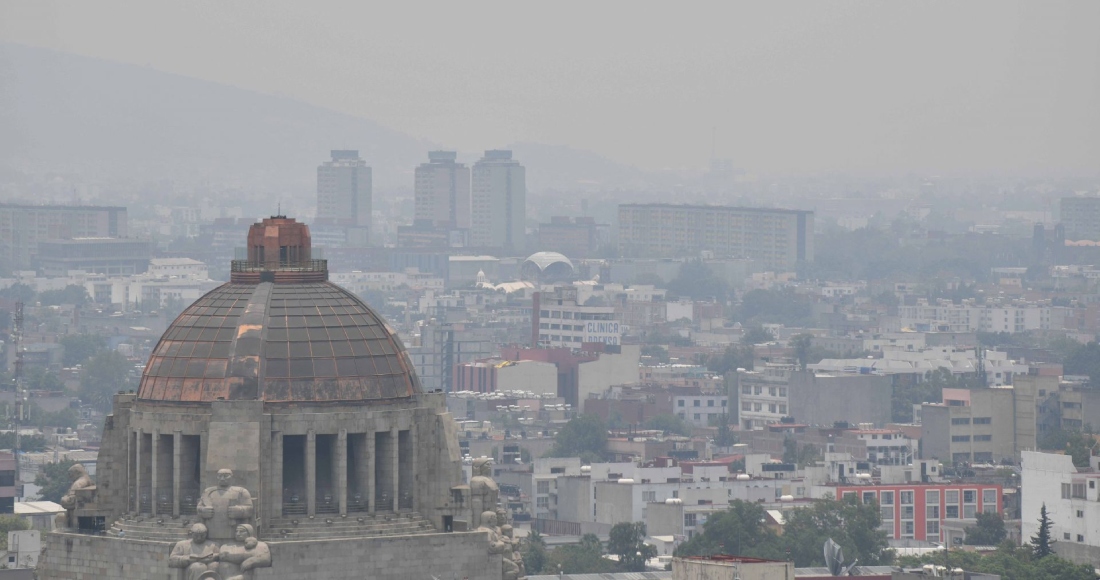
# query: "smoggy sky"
952, 87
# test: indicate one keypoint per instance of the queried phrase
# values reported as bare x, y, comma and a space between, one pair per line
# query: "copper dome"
279, 338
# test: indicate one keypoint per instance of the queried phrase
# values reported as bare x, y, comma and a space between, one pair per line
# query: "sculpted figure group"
227, 509
484, 496
80, 490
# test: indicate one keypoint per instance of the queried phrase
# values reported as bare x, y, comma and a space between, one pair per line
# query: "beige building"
499, 203
777, 239
442, 191
981, 425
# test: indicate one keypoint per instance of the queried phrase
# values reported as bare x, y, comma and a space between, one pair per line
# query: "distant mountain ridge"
62, 113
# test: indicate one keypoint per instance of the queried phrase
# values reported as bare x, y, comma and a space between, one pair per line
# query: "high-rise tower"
344, 195
499, 192
443, 191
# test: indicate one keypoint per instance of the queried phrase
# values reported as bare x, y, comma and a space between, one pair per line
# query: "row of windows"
698, 403
977, 420
758, 390
758, 407
932, 496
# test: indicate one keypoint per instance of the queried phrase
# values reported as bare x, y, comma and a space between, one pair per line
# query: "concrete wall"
692, 569
575, 498
538, 377
935, 438
823, 400
609, 370
84, 557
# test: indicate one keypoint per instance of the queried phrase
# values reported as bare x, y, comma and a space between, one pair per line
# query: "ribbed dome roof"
278, 342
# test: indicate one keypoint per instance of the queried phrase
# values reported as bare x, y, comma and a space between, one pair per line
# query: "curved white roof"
544, 259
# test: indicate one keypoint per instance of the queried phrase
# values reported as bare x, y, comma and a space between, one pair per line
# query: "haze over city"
543, 291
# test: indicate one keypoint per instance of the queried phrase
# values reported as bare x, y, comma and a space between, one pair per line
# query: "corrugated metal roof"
609, 576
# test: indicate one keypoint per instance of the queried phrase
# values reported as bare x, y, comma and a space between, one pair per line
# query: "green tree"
850, 523
669, 423
655, 352
9, 523
1084, 360
583, 558
533, 550
627, 541
53, 478
802, 345
733, 358
756, 335
31, 443
776, 306
584, 437
1040, 542
71, 294
1081, 448
18, 292
725, 436
739, 531
697, 281
80, 347
105, 374
988, 531
40, 379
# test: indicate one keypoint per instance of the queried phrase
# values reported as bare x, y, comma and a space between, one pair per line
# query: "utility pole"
20, 393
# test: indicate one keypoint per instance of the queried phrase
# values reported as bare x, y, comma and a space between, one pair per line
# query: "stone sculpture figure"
484, 493
195, 557
499, 545
517, 557
225, 506
239, 559
81, 485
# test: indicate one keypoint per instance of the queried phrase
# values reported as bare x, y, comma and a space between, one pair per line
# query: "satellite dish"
834, 559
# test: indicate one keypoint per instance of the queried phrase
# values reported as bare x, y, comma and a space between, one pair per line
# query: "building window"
960, 438
746, 390
970, 495
542, 502
989, 496
783, 409
1065, 491
887, 512
680, 403
868, 497
932, 496
906, 512
983, 438
969, 512
907, 497
1080, 538
689, 520
544, 487
649, 496
983, 420
887, 498
746, 406
1066, 536
932, 528
1078, 491
960, 421
907, 528
951, 512
695, 403
710, 403
952, 496
697, 417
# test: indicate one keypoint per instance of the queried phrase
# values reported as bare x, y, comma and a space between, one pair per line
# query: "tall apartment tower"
344, 195
499, 192
442, 191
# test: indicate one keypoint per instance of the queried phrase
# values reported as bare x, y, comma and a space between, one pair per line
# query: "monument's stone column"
137, 471
154, 447
396, 466
177, 456
342, 471
371, 479
311, 472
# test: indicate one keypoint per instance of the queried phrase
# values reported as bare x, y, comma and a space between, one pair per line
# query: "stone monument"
196, 556
224, 507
